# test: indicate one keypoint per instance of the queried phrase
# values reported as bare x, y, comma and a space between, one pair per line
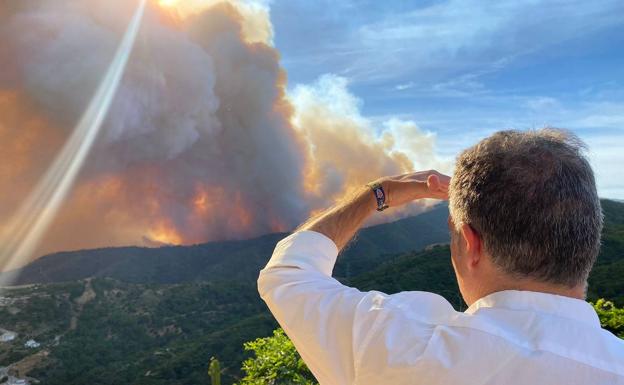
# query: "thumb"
433, 182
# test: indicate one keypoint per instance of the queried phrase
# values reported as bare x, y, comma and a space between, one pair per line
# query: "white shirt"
510, 337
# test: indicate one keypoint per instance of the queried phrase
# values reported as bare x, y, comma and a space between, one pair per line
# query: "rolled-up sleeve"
316, 311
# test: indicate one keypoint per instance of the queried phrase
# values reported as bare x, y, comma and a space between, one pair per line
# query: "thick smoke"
346, 149
201, 142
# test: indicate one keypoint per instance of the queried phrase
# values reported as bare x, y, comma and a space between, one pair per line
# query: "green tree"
275, 362
214, 371
611, 317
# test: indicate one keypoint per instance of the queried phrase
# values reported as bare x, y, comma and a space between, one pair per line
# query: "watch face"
379, 194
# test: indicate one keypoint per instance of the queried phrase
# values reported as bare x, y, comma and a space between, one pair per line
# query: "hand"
402, 189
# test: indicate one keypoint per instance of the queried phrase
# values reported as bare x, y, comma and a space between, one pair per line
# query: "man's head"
524, 213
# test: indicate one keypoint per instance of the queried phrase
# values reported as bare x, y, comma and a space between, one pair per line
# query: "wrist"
378, 191
394, 190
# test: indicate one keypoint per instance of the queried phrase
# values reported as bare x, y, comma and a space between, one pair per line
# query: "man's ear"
473, 243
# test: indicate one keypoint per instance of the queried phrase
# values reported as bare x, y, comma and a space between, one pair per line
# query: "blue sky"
463, 69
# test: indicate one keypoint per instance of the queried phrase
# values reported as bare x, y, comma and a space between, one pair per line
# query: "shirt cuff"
307, 250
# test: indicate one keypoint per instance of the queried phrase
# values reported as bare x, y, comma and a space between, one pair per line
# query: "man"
525, 223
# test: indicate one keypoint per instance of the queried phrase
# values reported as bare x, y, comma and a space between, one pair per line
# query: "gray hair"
532, 198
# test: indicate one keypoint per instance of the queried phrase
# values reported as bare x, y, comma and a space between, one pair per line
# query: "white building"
32, 344
7, 336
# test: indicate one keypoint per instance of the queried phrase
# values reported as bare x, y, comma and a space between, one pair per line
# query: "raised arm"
327, 321
342, 221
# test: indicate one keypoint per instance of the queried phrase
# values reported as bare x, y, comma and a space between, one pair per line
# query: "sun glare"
167, 3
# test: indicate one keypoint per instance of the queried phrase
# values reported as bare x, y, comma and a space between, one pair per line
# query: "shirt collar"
558, 305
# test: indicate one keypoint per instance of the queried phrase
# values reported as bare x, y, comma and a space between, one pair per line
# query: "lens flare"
167, 3
33, 218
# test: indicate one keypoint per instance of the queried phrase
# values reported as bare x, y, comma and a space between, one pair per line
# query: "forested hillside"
119, 331
607, 277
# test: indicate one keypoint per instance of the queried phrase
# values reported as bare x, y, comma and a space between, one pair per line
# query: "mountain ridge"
238, 259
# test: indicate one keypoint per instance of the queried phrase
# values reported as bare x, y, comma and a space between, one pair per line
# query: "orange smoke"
28, 142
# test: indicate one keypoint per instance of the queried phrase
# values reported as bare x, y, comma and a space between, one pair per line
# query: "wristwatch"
380, 195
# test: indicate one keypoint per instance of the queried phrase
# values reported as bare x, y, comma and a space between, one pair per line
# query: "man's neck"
578, 292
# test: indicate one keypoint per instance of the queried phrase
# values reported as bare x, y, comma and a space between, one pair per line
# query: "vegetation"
428, 270
214, 371
156, 334
275, 362
607, 277
611, 317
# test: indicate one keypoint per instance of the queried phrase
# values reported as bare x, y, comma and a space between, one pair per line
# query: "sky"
463, 69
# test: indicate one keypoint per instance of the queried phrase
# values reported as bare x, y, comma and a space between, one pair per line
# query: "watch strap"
380, 195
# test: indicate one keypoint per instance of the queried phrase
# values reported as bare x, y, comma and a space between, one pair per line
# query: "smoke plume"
202, 141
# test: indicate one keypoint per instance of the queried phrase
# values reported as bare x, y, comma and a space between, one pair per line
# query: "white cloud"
543, 103
603, 115
445, 39
458, 35
404, 86
607, 158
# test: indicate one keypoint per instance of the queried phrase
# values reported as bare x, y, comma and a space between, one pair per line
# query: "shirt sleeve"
316, 311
